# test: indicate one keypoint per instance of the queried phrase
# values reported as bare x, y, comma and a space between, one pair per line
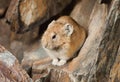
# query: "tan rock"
4, 34
3, 6
10, 69
98, 59
2, 11
42, 70
82, 11
32, 54
28, 14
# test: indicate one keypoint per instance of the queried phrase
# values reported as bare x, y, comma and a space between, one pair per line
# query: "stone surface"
26, 38
98, 58
21, 42
78, 69
2, 48
107, 64
82, 11
17, 49
115, 71
42, 70
10, 69
3, 6
39, 68
34, 53
26, 14
97, 61
4, 34
12, 15
84, 66
105, 1
2, 11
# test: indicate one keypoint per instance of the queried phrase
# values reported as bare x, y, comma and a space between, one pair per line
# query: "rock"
92, 56
105, 1
17, 49
115, 71
4, 34
34, 53
39, 68
107, 68
26, 38
26, 14
43, 71
97, 60
3, 6
82, 11
12, 14
10, 69
2, 11
84, 66
21, 42
2, 49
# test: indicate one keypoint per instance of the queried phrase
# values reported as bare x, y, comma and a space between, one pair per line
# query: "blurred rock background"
22, 23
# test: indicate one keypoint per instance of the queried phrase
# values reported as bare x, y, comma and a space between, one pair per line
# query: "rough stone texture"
12, 15
2, 11
10, 70
98, 59
4, 34
109, 48
21, 42
39, 69
43, 71
7, 40
105, 1
32, 54
80, 67
3, 6
17, 49
25, 14
2, 48
115, 71
26, 38
82, 11
84, 66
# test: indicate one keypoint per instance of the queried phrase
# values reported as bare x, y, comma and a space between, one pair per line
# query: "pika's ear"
68, 29
51, 23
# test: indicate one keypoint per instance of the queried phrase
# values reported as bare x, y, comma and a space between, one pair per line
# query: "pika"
62, 39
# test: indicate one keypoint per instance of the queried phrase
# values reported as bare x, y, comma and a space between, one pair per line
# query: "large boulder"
26, 14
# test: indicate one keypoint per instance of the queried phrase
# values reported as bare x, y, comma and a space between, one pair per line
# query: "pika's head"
57, 36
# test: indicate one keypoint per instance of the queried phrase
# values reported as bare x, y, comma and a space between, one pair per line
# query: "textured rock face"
3, 6
97, 61
10, 70
98, 58
34, 53
4, 34
79, 68
110, 47
42, 70
29, 13
82, 11
115, 71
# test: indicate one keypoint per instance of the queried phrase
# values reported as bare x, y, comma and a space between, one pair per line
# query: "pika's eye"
54, 36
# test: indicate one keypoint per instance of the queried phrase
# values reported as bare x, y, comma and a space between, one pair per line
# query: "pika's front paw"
55, 62
61, 62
